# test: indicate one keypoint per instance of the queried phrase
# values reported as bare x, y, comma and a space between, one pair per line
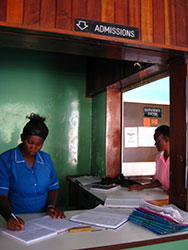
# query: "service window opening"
143, 110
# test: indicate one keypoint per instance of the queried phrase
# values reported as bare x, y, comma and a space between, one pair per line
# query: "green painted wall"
174, 245
98, 134
52, 85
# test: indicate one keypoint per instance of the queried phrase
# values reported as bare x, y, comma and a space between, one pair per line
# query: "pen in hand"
14, 216
15, 223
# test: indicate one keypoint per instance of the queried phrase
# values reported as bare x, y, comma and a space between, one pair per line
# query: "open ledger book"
40, 228
101, 216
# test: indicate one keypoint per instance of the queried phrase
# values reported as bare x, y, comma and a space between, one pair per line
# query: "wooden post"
113, 133
178, 106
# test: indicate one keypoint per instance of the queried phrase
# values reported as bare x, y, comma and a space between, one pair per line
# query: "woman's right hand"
15, 225
135, 187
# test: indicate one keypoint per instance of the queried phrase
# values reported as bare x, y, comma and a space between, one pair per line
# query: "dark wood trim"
144, 75
27, 29
162, 26
178, 102
101, 72
3, 12
187, 126
113, 133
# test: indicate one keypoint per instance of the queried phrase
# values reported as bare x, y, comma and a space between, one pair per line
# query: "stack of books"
160, 220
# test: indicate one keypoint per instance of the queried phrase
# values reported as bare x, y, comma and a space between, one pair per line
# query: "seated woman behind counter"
161, 177
28, 180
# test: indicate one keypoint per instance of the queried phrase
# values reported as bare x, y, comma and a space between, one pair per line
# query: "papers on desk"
40, 228
122, 202
104, 188
170, 212
87, 180
101, 216
160, 220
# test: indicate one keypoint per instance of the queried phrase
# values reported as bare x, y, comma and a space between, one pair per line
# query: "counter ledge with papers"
127, 236
83, 197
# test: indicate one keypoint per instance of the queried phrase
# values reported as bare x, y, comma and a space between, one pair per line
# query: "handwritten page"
58, 225
103, 217
40, 228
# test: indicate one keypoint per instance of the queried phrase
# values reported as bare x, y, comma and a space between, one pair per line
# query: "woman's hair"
164, 130
36, 126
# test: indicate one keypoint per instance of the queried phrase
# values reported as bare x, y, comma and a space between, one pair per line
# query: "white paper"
86, 180
131, 137
170, 211
105, 188
58, 225
103, 217
145, 136
123, 202
40, 228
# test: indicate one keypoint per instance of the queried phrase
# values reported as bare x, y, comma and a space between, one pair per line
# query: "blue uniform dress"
27, 188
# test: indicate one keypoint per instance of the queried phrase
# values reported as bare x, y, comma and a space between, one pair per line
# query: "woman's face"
32, 144
161, 142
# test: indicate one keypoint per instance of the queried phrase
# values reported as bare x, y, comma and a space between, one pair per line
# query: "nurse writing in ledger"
161, 177
28, 180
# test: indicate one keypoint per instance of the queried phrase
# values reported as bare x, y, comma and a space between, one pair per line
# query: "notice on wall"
145, 136
131, 137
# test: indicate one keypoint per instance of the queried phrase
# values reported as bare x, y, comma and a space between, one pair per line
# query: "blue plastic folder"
155, 223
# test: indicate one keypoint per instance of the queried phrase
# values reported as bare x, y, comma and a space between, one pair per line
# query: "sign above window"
106, 29
152, 112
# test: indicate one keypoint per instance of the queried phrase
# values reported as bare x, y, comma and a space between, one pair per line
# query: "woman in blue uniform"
28, 180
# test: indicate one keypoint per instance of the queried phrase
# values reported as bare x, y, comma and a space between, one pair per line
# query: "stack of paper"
103, 217
160, 220
122, 202
104, 188
87, 179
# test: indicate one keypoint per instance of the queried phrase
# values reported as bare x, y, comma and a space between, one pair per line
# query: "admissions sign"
106, 29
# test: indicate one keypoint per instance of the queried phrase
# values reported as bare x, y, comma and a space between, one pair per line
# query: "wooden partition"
113, 133
178, 144
158, 20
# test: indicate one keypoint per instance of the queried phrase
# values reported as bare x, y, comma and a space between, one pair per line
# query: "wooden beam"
178, 72
143, 76
55, 42
113, 133
103, 72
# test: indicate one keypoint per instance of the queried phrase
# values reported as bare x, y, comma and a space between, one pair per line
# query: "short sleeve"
4, 177
54, 184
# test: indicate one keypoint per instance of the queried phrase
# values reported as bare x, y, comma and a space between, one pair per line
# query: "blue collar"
19, 158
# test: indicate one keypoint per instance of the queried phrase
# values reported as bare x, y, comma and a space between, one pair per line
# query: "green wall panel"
173, 245
98, 134
52, 85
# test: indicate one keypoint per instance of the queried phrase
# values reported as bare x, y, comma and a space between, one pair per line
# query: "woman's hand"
55, 213
135, 187
15, 224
